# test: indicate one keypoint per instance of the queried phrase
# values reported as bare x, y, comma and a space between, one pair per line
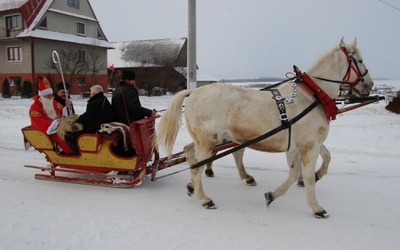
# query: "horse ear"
342, 43
355, 42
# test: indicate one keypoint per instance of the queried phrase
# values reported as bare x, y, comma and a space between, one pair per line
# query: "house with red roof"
30, 32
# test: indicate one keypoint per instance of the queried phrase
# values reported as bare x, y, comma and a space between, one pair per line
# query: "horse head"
356, 77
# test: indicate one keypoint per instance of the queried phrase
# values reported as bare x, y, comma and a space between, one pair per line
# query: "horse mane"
324, 59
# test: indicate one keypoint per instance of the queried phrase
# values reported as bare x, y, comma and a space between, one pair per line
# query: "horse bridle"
352, 67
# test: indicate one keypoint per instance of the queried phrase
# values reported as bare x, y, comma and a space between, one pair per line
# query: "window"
14, 54
80, 29
82, 81
81, 57
13, 22
73, 3
16, 82
43, 23
100, 34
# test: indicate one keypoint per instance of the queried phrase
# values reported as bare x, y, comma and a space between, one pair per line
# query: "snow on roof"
72, 14
146, 53
57, 36
153, 53
45, 34
11, 4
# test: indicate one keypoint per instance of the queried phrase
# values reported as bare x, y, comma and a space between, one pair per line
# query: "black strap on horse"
273, 86
260, 138
283, 116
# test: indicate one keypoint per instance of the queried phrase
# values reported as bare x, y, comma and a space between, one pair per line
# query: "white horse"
217, 112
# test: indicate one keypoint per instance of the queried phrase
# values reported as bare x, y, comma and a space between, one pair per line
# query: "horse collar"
312, 88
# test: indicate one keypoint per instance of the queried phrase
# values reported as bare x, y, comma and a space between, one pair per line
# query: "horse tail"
170, 122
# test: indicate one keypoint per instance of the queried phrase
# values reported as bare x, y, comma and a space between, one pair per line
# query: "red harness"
350, 69
311, 87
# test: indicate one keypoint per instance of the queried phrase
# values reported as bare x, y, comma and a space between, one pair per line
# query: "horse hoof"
190, 189
209, 173
209, 205
300, 184
269, 197
251, 182
321, 215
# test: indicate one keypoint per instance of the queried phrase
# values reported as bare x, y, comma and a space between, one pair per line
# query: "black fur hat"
128, 75
60, 86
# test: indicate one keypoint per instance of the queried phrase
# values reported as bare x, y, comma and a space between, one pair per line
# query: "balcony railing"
4, 32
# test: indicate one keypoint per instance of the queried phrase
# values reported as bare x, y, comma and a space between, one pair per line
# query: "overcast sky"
263, 38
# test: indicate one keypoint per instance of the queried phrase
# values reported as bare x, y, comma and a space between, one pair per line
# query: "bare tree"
71, 64
78, 61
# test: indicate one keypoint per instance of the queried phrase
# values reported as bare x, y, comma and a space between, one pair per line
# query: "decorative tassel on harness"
311, 87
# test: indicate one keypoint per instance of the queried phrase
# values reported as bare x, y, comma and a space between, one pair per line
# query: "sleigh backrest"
142, 132
37, 139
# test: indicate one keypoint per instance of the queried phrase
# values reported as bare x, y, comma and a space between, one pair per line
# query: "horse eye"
360, 61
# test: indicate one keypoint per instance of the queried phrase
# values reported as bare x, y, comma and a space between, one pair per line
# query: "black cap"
128, 75
60, 86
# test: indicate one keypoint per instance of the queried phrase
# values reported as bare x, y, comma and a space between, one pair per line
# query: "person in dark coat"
61, 96
98, 111
125, 101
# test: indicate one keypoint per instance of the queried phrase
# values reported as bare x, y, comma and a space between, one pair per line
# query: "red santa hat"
44, 87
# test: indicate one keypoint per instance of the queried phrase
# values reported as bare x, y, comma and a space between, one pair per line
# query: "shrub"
394, 105
6, 92
27, 90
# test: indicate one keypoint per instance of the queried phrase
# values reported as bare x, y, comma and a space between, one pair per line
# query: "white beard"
48, 107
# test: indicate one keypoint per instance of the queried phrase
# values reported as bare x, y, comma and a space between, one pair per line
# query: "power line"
394, 7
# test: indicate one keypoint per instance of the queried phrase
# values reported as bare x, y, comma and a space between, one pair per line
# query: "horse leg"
300, 181
189, 153
238, 156
326, 158
293, 161
195, 186
309, 160
209, 172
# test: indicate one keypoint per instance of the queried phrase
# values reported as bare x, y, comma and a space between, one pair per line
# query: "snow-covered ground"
360, 193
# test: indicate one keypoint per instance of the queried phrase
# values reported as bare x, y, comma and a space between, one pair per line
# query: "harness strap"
260, 138
280, 101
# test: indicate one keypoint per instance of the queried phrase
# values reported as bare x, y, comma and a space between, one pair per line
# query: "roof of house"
153, 53
33, 15
148, 53
11, 4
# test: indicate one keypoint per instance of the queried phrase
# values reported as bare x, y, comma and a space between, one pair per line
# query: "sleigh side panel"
95, 155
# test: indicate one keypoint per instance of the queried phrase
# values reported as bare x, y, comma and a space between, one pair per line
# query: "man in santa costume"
45, 114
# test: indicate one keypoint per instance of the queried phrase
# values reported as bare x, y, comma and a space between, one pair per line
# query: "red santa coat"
40, 121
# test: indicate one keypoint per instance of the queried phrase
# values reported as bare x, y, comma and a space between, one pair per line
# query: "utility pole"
191, 48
